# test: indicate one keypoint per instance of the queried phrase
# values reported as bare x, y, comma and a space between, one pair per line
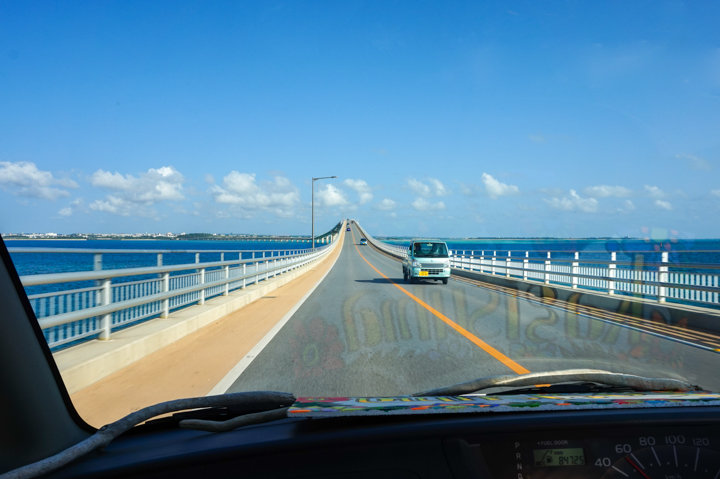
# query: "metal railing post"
663, 277
165, 287
97, 266
202, 291
547, 269
105, 321
507, 264
227, 280
257, 269
612, 272
492, 262
243, 274
526, 260
575, 270
267, 267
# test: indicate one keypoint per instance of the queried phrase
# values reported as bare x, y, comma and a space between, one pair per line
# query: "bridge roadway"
365, 332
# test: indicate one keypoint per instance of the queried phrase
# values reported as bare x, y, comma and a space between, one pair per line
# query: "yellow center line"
517, 368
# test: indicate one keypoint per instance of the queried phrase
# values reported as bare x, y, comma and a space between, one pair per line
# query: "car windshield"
430, 250
185, 186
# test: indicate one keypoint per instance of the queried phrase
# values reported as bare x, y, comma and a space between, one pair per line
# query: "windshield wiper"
604, 380
269, 405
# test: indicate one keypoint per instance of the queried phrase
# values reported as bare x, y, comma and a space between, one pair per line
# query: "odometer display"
559, 457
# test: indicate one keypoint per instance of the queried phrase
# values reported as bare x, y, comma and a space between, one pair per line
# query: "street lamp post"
312, 206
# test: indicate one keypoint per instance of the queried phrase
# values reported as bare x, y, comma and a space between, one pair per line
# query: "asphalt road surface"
364, 332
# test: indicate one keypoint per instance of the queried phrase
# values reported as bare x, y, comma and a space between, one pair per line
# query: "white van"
427, 259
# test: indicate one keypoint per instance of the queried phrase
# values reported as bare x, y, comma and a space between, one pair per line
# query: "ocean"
42, 263
631, 250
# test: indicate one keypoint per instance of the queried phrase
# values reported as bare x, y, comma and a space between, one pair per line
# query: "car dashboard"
679, 442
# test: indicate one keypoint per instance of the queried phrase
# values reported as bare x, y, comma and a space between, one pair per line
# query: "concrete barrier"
699, 319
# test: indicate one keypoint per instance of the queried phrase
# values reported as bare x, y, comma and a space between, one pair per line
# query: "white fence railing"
696, 284
93, 303
687, 283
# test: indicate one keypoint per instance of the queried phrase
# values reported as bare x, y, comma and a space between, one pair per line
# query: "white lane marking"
675, 454
656, 456
621, 472
241, 366
637, 461
697, 456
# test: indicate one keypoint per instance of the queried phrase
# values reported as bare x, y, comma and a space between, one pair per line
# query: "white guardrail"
117, 298
695, 284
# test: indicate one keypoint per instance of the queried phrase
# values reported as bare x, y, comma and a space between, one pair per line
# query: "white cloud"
386, 204
536, 138
662, 204
240, 190
331, 196
156, 184
419, 187
69, 210
695, 162
135, 195
25, 179
434, 188
604, 191
421, 204
715, 192
627, 206
574, 202
439, 188
495, 188
113, 204
654, 191
361, 188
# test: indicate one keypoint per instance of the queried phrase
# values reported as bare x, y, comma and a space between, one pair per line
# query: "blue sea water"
42, 263
629, 251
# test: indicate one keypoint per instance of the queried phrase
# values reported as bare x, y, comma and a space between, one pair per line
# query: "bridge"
344, 323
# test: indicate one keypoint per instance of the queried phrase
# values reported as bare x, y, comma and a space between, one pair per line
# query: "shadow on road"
393, 280
379, 280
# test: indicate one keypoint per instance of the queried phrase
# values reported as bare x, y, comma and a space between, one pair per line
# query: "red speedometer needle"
637, 468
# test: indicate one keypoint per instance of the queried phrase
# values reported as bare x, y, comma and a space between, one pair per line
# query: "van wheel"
405, 275
445, 280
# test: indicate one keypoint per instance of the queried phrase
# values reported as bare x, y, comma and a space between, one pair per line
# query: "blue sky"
517, 118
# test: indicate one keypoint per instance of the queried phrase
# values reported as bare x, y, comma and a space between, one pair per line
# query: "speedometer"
690, 453
666, 461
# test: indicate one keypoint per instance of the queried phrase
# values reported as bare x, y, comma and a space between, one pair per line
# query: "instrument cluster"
688, 452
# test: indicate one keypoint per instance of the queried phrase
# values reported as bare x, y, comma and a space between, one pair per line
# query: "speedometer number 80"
646, 441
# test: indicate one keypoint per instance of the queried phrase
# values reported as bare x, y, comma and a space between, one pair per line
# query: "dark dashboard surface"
647, 443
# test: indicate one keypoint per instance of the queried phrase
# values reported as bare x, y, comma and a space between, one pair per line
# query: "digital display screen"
559, 457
